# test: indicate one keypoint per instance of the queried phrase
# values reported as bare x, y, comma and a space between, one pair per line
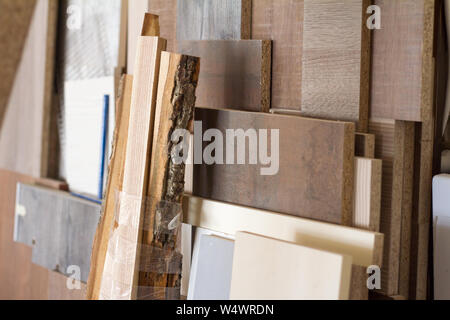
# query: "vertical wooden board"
402, 52
290, 271
315, 168
167, 12
336, 61
365, 145
235, 74
282, 22
213, 19
367, 200
16, 16
136, 169
114, 185
136, 12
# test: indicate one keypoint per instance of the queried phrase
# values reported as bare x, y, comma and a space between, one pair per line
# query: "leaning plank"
263, 269
402, 60
336, 61
59, 227
235, 74
310, 172
135, 180
136, 13
114, 185
213, 20
282, 22
167, 12
175, 110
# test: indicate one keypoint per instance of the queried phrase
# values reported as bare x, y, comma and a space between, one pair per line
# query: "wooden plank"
290, 271
167, 12
282, 22
59, 227
213, 20
364, 246
136, 13
365, 145
30, 95
336, 61
367, 200
20, 279
235, 74
114, 185
15, 15
174, 111
402, 60
316, 166
135, 180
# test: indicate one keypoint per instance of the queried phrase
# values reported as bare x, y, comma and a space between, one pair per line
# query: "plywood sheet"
315, 168
290, 271
235, 74
213, 19
282, 22
336, 61
402, 60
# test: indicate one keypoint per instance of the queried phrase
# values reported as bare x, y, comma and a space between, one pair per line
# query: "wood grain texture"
282, 22
336, 61
58, 226
315, 177
114, 185
393, 147
136, 13
178, 80
15, 16
365, 247
19, 278
167, 12
402, 60
235, 74
136, 170
213, 19
21, 138
290, 271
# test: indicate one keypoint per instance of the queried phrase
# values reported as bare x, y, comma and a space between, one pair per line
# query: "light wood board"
235, 74
136, 13
316, 166
270, 269
365, 247
336, 61
213, 20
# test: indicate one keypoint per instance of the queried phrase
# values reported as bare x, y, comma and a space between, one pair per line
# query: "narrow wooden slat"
365, 145
336, 61
167, 12
235, 74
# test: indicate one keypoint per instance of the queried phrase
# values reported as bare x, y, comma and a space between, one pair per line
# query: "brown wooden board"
282, 22
316, 163
213, 20
167, 12
365, 145
336, 61
402, 60
235, 73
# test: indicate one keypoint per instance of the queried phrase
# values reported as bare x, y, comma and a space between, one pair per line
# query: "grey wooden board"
211, 20
59, 227
212, 266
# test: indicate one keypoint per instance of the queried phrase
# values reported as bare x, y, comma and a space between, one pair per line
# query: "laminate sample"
309, 175
336, 61
282, 22
213, 19
402, 60
266, 269
235, 74
365, 247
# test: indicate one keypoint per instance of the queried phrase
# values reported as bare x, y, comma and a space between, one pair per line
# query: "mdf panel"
402, 60
235, 73
213, 19
265, 269
336, 61
316, 166
282, 22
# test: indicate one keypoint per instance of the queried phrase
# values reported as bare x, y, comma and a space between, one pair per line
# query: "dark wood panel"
235, 74
315, 176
